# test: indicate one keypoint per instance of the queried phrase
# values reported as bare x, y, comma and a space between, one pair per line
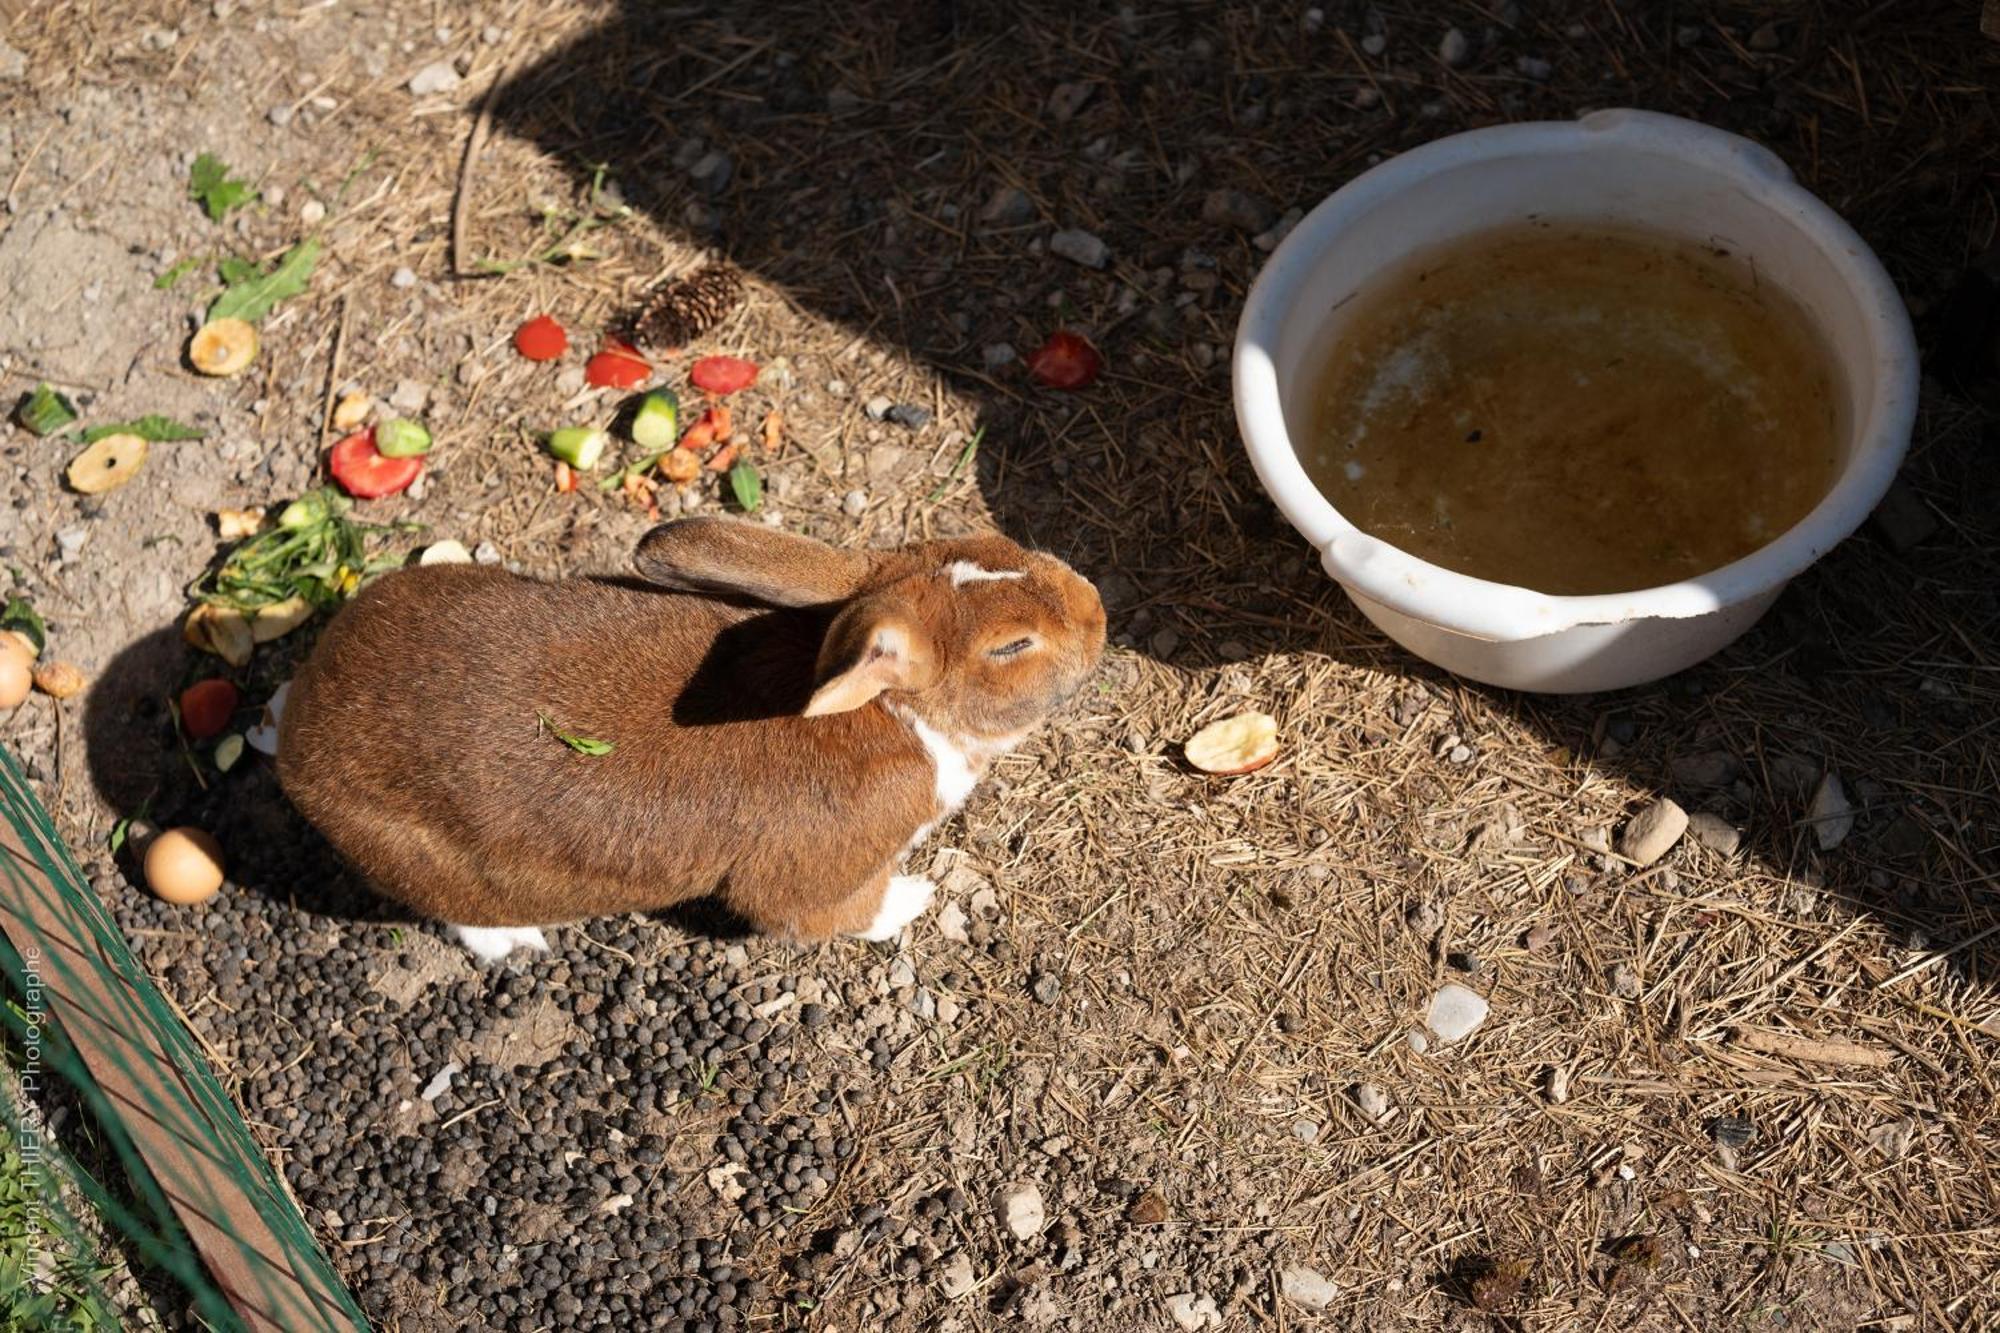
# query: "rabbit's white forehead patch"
969, 571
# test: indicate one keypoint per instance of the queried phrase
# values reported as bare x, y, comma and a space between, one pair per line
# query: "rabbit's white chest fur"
957, 768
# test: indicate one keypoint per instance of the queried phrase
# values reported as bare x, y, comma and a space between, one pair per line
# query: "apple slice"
1240, 744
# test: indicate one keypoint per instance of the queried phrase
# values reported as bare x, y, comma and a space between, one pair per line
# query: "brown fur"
411, 738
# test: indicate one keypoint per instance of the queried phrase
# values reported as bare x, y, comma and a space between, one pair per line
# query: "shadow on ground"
900, 168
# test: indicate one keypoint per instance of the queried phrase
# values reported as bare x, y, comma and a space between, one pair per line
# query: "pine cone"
678, 313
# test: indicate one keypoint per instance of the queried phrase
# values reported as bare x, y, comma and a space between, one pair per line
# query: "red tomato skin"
541, 339
364, 473
1066, 361
616, 370
723, 375
206, 707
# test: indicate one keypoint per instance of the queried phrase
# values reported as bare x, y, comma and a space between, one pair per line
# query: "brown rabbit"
785, 722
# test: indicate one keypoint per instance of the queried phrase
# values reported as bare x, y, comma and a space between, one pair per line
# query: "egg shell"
184, 866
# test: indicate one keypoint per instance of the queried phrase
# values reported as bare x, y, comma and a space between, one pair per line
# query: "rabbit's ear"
869, 649
734, 558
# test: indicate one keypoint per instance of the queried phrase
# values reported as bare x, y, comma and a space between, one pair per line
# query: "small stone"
1080, 247
878, 407
1374, 1103
486, 553
1766, 38
1537, 938
1021, 1209
69, 543
352, 409
1534, 67
13, 64
1308, 1288
1193, 1312
951, 922
1830, 814
439, 1082
1556, 1084
1711, 768
908, 415
160, 39
1148, 1210
280, 115
1423, 917
1045, 987
854, 504
1374, 44
1455, 49
312, 212
403, 278
492, 35
1460, 754
410, 396
1455, 1012
1624, 980
1067, 99
1237, 210
440, 76
713, 171
1417, 1041
1715, 833
1466, 961
996, 355
1008, 206
1652, 833
1306, 1131
1270, 239
1312, 20
957, 1280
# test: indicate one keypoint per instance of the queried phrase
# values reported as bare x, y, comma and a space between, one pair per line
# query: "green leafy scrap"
20, 614
219, 193
156, 428
581, 744
254, 297
747, 485
167, 281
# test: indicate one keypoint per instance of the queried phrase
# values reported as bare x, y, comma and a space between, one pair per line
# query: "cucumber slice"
579, 446
402, 438
657, 424
45, 411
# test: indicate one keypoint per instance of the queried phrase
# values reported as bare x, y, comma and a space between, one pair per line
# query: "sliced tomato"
206, 707
364, 473
723, 375
541, 339
1066, 361
616, 367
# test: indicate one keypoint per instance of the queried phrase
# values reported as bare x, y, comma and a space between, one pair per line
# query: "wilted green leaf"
235, 268
45, 411
20, 614
253, 298
155, 428
581, 744
747, 486
165, 282
211, 185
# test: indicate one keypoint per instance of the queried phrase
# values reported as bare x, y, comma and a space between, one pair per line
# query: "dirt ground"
1180, 1008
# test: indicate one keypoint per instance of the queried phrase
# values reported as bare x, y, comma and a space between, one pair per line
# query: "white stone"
958, 1280
1306, 1287
440, 1082
1831, 815
437, 77
1193, 1312
1456, 1012
1022, 1211
1080, 247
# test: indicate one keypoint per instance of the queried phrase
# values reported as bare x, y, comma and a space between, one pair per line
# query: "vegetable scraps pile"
677, 455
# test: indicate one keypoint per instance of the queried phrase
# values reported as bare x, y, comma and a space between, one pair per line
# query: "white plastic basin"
1614, 166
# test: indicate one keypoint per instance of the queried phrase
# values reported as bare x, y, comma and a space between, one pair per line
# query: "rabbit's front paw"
902, 902
492, 943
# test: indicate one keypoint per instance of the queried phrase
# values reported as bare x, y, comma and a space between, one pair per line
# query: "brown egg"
15, 678
184, 865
